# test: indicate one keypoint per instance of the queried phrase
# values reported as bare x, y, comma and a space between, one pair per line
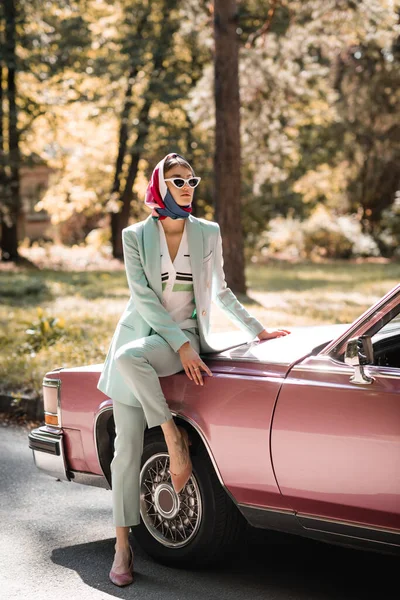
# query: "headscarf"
159, 198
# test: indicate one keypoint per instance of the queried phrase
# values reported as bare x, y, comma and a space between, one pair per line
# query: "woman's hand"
192, 363
267, 335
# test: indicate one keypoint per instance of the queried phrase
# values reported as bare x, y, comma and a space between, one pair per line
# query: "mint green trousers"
141, 363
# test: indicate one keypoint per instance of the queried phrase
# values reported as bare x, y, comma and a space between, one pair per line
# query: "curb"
32, 408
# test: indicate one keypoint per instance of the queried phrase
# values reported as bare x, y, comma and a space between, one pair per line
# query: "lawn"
86, 305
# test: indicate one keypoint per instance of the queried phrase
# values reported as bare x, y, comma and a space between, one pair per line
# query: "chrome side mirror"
359, 352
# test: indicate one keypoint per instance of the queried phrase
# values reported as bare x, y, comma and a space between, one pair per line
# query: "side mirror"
359, 352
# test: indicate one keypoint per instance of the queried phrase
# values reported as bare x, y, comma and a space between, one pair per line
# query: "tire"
203, 525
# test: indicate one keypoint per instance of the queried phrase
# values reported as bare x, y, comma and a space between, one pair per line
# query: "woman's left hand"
267, 335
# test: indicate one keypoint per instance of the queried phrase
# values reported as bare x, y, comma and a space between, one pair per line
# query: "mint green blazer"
145, 311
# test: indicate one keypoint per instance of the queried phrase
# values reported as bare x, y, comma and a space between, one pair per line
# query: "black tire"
221, 524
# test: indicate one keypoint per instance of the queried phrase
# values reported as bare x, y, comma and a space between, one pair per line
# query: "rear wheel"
196, 527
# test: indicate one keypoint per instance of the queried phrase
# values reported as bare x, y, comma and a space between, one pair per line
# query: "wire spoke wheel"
172, 519
198, 526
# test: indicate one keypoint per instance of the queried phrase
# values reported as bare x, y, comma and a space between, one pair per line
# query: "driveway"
57, 540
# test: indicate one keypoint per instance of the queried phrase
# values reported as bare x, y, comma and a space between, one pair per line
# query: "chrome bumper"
48, 452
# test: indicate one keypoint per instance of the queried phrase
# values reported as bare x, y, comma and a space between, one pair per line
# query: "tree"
157, 62
32, 50
368, 82
9, 135
227, 157
144, 59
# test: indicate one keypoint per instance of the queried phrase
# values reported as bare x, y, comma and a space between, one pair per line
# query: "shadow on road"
271, 566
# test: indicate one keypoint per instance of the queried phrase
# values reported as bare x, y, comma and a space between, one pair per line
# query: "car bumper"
48, 451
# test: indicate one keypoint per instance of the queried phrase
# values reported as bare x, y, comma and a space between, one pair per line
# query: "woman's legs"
122, 550
125, 475
125, 465
141, 363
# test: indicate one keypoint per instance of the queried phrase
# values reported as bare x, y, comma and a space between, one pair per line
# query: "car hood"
284, 350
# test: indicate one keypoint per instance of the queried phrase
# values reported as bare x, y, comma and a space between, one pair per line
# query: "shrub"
363, 244
323, 234
390, 235
283, 236
324, 237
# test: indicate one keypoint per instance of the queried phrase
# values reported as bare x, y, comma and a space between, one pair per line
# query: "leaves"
43, 332
319, 106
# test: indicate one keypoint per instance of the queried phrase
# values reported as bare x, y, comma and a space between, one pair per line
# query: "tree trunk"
227, 141
12, 200
120, 220
3, 178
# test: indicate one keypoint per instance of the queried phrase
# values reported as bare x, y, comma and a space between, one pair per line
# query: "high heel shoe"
179, 480
126, 578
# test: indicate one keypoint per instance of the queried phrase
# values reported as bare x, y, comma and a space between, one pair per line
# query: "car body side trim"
322, 529
277, 519
369, 532
89, 479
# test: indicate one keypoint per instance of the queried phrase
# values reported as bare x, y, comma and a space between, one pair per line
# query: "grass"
89, 304
312, 294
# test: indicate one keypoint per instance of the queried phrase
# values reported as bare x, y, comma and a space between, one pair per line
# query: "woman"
171, 258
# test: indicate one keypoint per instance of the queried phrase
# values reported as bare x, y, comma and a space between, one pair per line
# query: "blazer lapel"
195, 243
152, 256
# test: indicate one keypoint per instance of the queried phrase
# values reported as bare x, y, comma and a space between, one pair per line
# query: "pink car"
299, 434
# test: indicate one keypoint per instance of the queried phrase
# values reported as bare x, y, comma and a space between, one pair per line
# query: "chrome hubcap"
172, 519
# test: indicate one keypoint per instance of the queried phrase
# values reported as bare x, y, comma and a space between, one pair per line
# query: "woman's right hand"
192, 363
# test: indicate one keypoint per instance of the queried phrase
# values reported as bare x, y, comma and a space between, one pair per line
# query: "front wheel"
196, 527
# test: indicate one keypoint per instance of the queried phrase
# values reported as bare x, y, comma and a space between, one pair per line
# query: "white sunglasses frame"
186, 182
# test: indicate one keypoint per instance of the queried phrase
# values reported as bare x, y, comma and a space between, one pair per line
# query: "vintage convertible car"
299, 434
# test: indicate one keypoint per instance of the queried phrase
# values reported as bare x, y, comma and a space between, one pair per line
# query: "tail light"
51, 401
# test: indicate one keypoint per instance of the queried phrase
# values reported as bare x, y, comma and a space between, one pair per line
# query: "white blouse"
177, 282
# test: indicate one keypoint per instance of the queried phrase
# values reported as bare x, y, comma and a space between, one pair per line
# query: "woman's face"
184, 195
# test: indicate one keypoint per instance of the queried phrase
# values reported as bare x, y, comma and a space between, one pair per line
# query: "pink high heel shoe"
126, 578
179, 480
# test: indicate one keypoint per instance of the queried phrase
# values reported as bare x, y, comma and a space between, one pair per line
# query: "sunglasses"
179, 182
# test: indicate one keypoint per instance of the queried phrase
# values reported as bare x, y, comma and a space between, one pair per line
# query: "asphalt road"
57, 540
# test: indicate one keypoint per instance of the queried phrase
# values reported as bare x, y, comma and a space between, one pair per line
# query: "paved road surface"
57, 541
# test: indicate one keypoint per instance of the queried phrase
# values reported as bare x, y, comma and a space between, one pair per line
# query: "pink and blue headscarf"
159, 198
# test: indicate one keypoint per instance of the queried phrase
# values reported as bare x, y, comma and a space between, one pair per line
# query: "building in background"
35, 180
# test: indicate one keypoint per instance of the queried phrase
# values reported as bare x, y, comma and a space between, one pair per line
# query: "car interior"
386, 345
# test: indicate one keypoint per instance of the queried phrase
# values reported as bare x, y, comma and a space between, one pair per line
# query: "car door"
336, 444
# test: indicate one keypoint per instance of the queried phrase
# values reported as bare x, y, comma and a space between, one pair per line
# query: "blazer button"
203, 313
